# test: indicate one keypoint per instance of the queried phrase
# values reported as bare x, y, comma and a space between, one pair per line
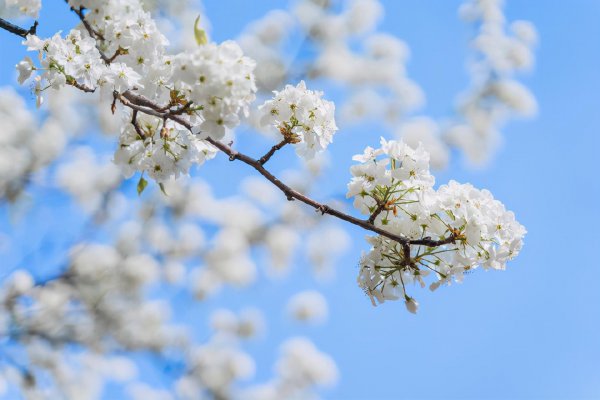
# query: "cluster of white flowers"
97, 303
372, 64
397, 192
212, 85
308, 306
160, 150
357, 17
247, 324
495, 95
214, 367
78, 376
426, 131
302, 117
219, 81
30, 8
374, 70
400, 179
82, 305
95, 270
19, 127
87, 178
71, 60
351, 51
126, 30
26, 145
263, 42
300, 368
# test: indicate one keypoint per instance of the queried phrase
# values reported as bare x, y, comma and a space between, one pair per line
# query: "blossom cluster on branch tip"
120, 49
71, 60
302, 117
218, 80
448, 231
160, 149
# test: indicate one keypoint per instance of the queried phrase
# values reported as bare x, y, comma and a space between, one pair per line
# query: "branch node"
323, 209
113, 106
33, 29
272, 151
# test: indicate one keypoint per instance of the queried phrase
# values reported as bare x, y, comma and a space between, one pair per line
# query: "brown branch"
120, 51
17, 30
141, 104
406, 254
92, 32
376, 213
183, 109
71, 81
270, 153
427, 241
136, 125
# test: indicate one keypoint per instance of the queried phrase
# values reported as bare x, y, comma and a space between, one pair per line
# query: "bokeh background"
532, 331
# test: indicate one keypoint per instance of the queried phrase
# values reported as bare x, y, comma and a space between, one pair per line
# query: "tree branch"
92, 32
71, 81
144, 105
427, 241
270, 153
136, 126
376, 213
17, 30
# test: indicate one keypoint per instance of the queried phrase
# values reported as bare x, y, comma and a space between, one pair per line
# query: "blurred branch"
17, 30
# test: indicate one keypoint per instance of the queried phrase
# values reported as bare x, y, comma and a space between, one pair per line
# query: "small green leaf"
162, 188
199, 33
141, 185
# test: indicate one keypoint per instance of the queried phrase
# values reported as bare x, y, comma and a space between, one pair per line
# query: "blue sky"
532, 331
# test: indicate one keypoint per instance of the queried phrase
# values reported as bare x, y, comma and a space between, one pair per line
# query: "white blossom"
30, 8
308, 306
302, 117
399, 196
161, 151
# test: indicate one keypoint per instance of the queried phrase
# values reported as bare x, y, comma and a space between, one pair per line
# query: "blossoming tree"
169, 100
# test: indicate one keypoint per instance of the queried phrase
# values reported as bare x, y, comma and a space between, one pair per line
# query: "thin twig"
136, 125
434, 243
120, 51
71, 81
92, 32
183, 109
270, 153
375, 214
